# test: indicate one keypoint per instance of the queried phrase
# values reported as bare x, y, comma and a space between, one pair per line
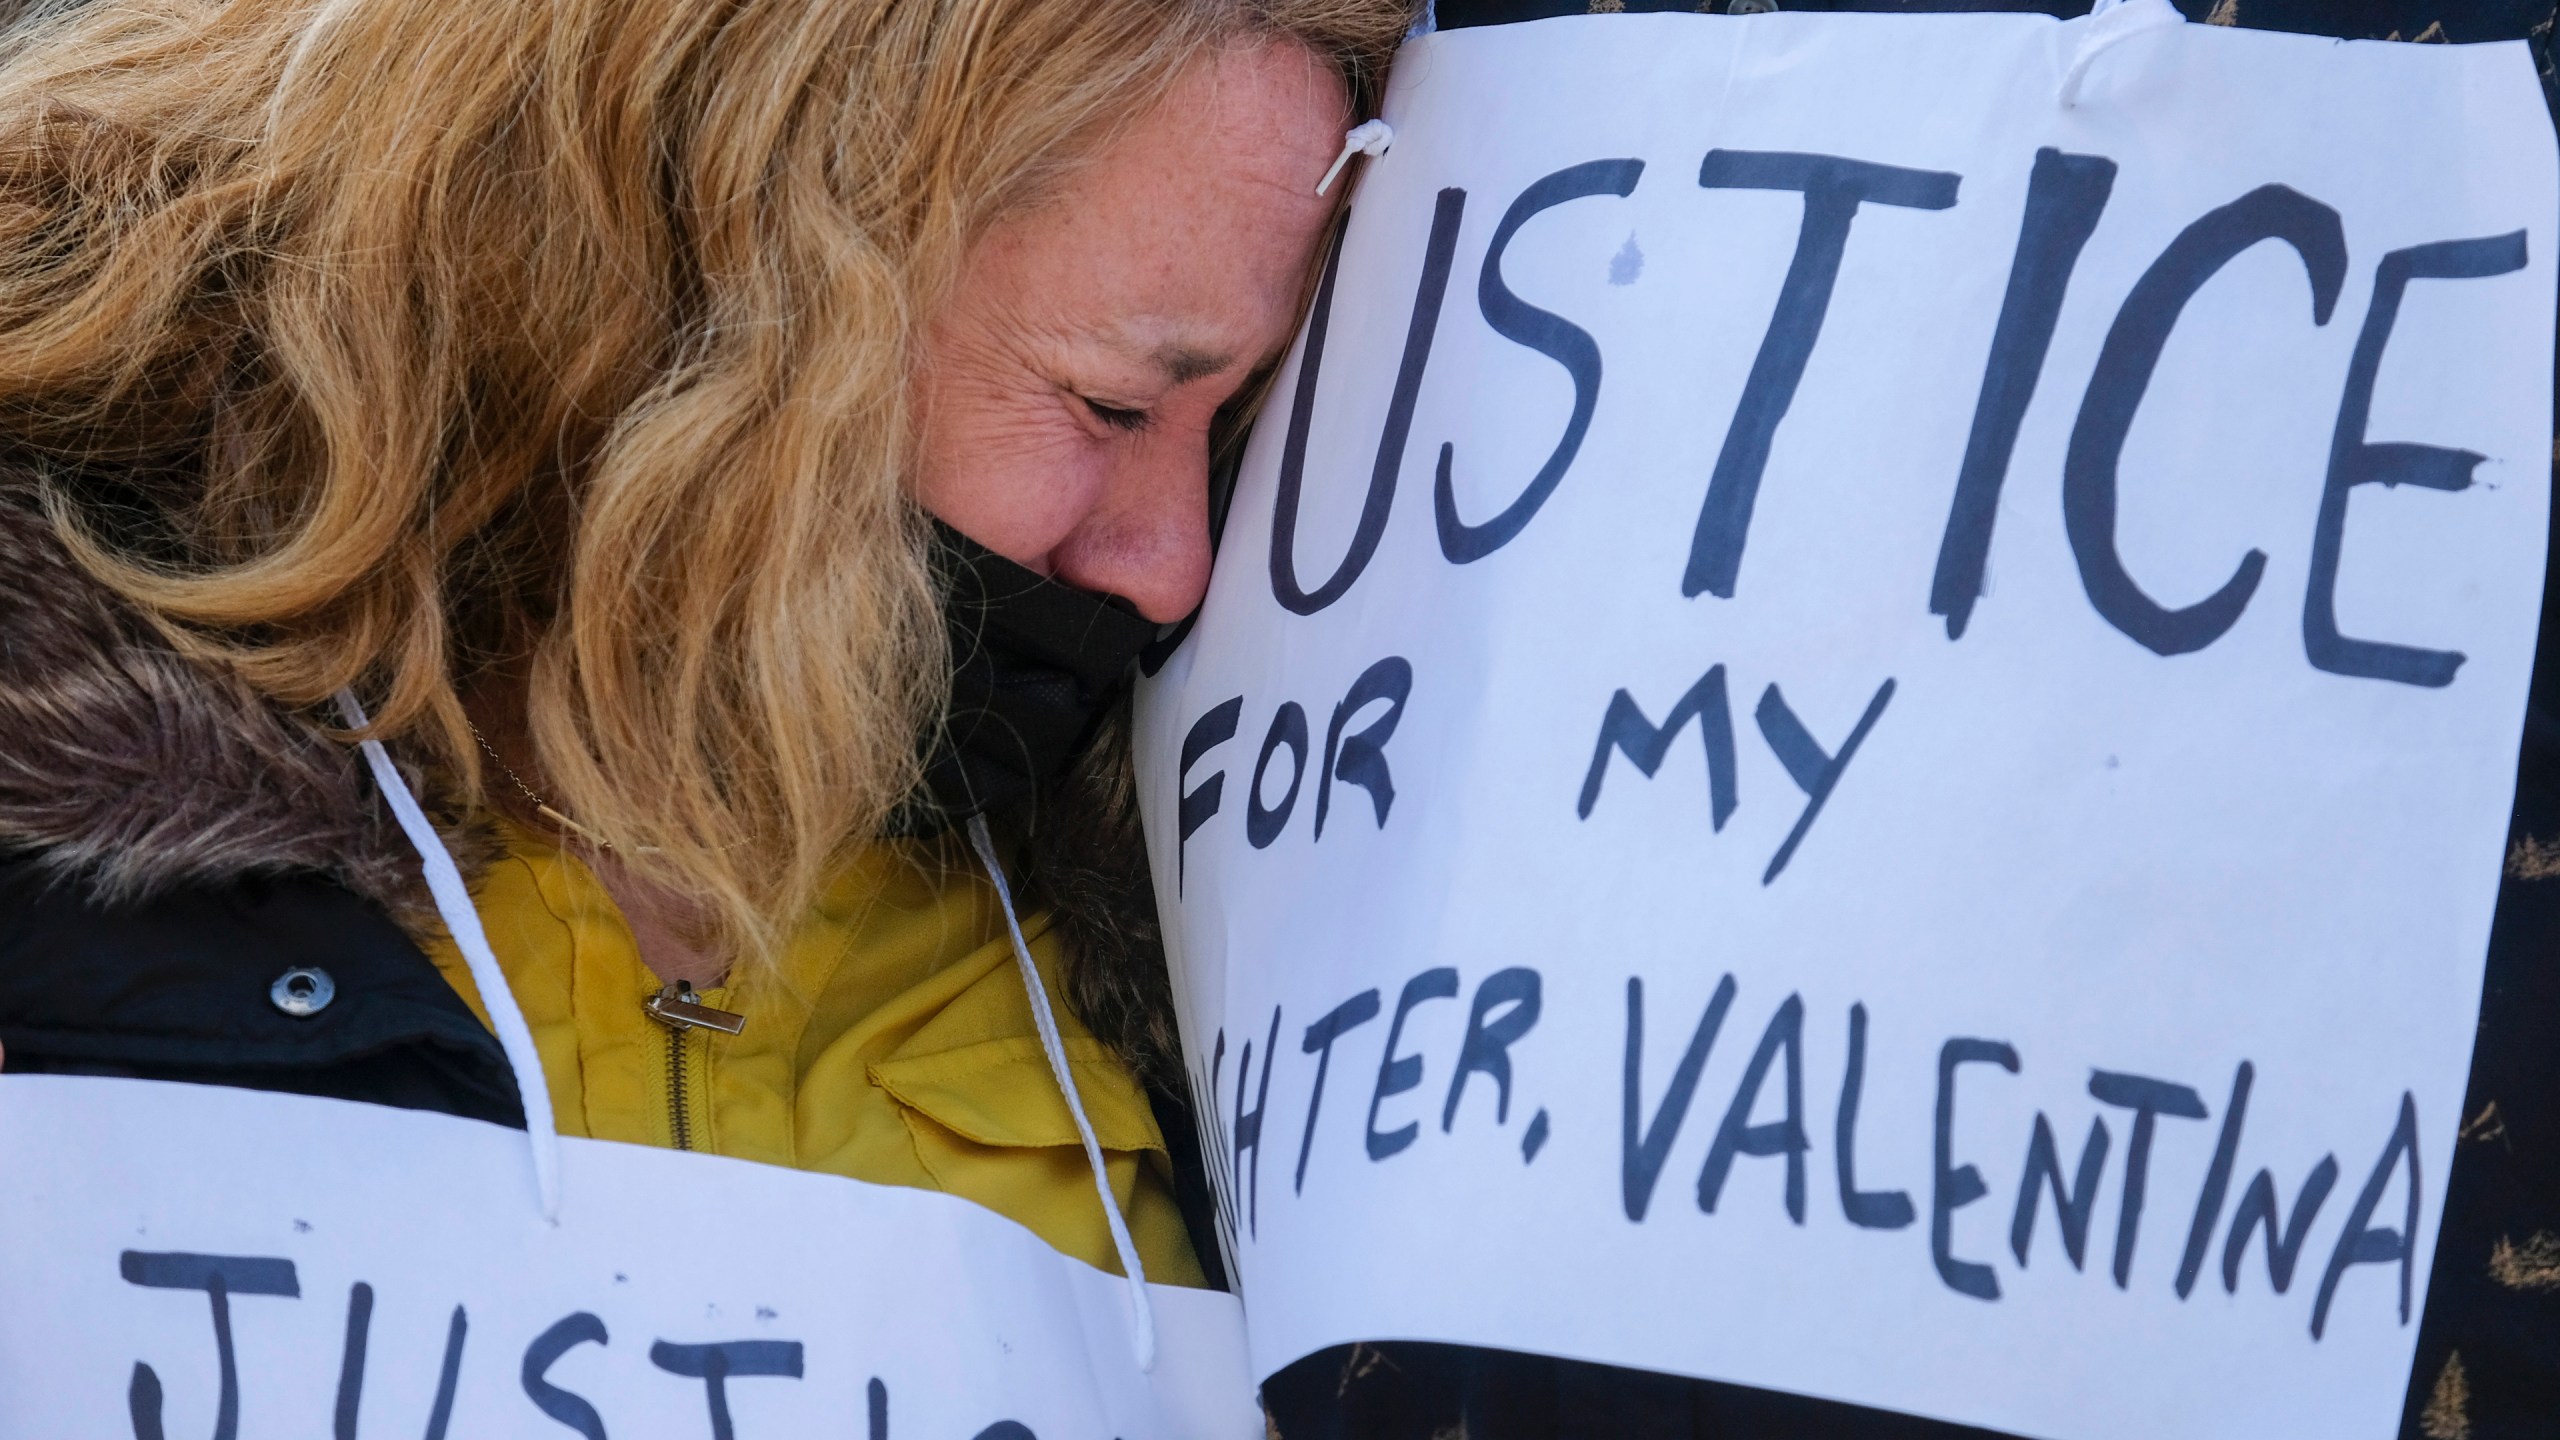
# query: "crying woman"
694, 476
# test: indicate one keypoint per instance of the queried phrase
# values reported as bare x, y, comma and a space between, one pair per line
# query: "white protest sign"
1855, 727
387, 1272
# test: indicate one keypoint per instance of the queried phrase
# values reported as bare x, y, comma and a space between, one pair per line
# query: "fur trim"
1089, 862
133, 771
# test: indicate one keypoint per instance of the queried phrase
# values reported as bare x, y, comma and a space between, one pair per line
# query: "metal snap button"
1751, 7
303, 991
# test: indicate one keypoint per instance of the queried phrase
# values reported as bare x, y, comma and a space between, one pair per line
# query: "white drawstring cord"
462, 921
2110, 21
1142, 1334
1370, 138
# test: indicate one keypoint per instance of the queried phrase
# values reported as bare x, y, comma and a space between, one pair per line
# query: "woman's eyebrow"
1182, 364
1180, 353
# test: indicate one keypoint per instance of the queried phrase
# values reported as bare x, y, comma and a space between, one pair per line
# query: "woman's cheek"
1018, 485
1058, 492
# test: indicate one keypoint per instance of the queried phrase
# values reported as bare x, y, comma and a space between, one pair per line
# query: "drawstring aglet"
1370, 138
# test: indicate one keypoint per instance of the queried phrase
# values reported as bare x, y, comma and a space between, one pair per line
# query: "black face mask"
1035, 664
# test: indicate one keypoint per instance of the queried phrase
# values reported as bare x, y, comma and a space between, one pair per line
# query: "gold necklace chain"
532, 797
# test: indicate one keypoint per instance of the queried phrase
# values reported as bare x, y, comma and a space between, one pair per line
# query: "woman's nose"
1147, 538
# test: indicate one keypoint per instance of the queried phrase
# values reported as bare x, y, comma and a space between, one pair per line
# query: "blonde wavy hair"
564, 338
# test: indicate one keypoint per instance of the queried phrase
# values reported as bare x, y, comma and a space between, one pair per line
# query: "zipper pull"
675, 1008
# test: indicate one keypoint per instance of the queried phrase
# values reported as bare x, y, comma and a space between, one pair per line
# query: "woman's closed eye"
1118, 417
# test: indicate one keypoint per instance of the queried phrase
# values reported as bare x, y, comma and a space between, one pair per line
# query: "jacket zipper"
679, 1114
675, 1008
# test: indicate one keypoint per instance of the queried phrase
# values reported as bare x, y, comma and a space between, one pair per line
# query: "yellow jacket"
892, 1044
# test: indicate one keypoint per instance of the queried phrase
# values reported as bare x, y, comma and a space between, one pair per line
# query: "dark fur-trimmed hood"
134, 772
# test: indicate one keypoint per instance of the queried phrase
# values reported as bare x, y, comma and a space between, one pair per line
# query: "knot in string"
1370, 138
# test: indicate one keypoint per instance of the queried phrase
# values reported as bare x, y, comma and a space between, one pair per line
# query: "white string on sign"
2108, 22
1142, 1331
462, 922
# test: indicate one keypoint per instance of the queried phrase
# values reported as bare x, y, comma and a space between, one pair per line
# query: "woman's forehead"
1184, 240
